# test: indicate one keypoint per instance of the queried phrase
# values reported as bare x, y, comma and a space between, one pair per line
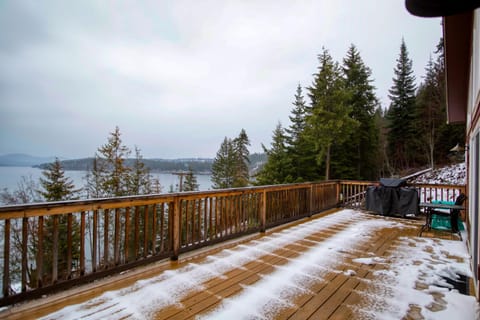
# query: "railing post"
263, 212
176, 229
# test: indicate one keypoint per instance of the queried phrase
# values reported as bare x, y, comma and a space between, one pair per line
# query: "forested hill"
198, 165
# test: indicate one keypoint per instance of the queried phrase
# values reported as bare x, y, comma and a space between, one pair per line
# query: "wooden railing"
53, 246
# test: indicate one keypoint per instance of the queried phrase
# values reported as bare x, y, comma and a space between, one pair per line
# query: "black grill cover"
390, 198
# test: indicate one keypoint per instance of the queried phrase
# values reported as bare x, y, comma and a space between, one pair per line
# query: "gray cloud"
178, 76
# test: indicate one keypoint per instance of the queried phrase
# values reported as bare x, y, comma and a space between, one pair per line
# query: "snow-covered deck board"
343, 265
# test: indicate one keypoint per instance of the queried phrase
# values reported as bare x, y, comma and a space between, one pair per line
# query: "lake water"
11, 176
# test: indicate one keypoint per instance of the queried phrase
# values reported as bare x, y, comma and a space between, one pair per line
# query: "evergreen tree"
429, 115
276, 169
190, 183
356, 157
94, 180
111, 176
240, 149
57, 187
448, 134
140, 181
401, 113
299, 147
330, 122
224, 166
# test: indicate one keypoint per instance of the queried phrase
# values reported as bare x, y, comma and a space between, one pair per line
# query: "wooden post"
176, 229
263, 212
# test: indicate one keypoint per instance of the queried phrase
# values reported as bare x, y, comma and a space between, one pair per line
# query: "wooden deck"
336, 289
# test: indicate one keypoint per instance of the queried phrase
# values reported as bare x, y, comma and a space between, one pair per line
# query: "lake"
11, 176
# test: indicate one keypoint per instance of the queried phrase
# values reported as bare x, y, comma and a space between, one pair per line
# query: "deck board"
334, 292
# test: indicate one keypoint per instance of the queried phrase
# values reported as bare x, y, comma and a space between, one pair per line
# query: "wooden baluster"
55, 250
94, 241
263, 212
145, 232
116, 238
205, 218
6, 259
69, 244
40, 253
136, 241
127, 235
154, 229
106, 222
24, 253
162, 227
209, 231
82, 243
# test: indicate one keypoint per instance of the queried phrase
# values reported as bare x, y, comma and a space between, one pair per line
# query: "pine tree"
356, 157
112, 174
276, 169
329, 122
224, 166
429, 115
57, 187
140, 181
401, 113
240, 149
299, 147
448, 134
190, 183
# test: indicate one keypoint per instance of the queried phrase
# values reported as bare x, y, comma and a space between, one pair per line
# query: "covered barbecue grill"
392, 198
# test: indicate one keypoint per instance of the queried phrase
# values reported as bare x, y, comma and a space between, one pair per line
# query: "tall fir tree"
429, 116
329, 122
356, 157
448, 134
110, 175
57, 187
224, 166
276, 170
299, 147
190, 183
401, 113
240, 149
140, 181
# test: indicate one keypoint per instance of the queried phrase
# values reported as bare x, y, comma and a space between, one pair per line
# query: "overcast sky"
178, 76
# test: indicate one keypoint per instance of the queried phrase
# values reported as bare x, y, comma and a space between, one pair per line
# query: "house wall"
473, 142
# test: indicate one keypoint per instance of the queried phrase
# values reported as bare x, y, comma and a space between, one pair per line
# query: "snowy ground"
454, 174
412, 278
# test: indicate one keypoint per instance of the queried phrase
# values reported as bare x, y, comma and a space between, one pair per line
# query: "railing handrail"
69, 206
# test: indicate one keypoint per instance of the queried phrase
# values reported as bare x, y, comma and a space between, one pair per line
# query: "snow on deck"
411, 276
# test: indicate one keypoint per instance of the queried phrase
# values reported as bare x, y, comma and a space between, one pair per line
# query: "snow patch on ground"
415, 278
454, 174
412, 277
